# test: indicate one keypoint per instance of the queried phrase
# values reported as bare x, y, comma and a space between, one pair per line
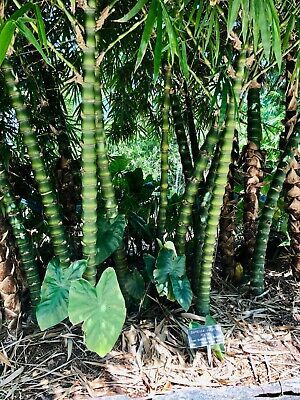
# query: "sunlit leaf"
6, 35
158, 44
245, 19
288, 30
135, 9
147, 33
31, 39
101, 309
173, 40
264, 24
40, 26
234, 6
53, 306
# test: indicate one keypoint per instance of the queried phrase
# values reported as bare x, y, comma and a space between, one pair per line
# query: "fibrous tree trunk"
8, 283
227, 235
253, 164
292, 182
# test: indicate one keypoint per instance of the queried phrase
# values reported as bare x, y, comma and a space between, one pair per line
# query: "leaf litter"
262, 342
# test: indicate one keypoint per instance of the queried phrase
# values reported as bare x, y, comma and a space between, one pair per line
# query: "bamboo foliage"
211, 234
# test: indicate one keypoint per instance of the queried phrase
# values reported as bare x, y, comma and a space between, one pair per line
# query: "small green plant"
169, 275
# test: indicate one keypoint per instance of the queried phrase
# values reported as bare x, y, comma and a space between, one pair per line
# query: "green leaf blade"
53, 306
132, 13
146, 33
6, 36
102, 310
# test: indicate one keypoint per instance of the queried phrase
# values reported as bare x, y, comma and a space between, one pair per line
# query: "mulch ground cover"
262, 341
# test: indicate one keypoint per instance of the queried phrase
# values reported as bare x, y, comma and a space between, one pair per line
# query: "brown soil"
262, 340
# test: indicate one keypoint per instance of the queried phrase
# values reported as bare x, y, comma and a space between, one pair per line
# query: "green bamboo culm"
25, 250
183, 146
253, 165
265, 222
51, 209
164, 153
89, 157
107, 189
202, 217
191, 190
211, 234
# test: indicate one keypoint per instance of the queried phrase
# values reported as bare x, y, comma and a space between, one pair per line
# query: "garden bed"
262, 340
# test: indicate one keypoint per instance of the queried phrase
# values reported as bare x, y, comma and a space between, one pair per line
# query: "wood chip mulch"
262, 340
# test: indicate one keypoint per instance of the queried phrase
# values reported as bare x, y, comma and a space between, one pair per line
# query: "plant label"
205, 336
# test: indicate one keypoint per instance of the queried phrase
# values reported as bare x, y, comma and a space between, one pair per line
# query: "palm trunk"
253, 167
227, 236
164, 152
8, 285
292, 182
211, 234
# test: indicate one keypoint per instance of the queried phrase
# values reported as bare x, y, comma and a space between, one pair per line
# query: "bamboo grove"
195, 77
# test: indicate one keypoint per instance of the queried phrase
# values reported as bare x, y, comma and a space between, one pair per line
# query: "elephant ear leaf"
53, 306
101, 309
110, 236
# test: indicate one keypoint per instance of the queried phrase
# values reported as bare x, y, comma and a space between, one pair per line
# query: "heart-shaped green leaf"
101, 309
135, 285
110, 236
53, 306
182, 291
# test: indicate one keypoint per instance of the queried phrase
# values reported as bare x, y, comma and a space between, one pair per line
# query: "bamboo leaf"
264, 24
158, 44
255, 24
245, 19
210, 28
146, 33
30, 37
234, 6
40, 26
277, 44
6, 35
183, 61
135, 9
289, 28
217, 31
173, 42
19, 13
